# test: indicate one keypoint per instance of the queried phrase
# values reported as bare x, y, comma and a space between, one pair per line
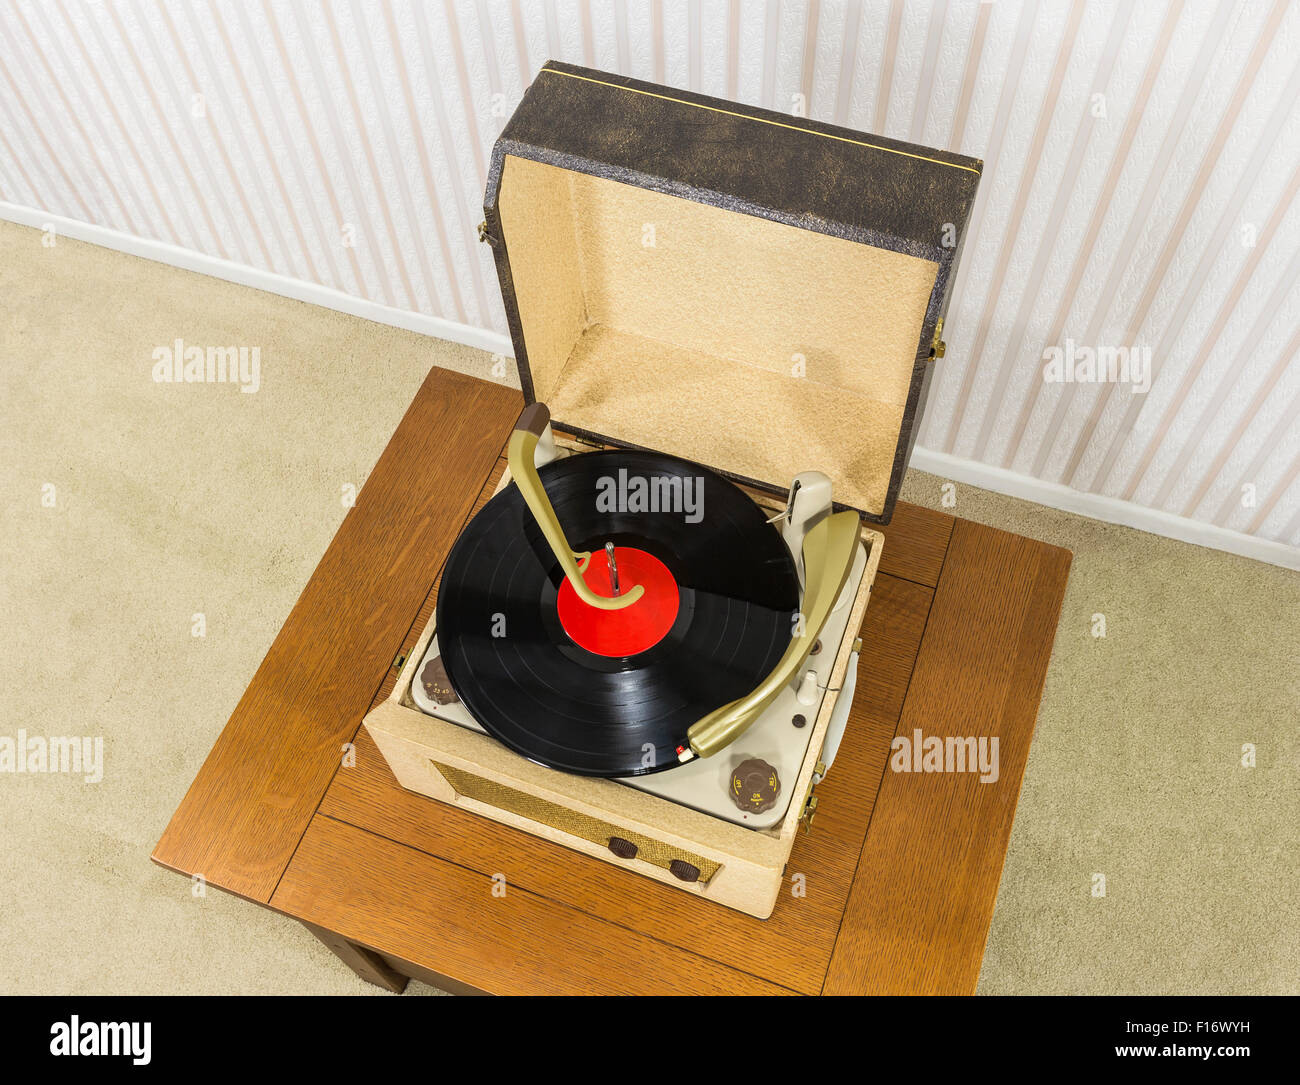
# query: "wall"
1143, 163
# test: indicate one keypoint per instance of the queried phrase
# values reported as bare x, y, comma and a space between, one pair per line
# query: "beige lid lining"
751, 346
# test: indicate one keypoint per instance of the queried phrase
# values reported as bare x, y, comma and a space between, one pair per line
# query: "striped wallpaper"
1143, 161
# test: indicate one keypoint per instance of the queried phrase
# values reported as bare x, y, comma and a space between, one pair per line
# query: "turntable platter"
612, 693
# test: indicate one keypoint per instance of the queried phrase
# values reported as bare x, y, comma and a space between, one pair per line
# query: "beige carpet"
176, 500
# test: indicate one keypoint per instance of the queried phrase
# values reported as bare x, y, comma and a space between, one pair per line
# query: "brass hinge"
937, 345
809, 812
397, 663
483, 235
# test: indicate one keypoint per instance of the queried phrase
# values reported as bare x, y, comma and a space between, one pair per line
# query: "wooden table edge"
442, 411
1057, 562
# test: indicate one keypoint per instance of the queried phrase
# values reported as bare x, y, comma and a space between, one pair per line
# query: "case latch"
809, 811
483, 235
937, 345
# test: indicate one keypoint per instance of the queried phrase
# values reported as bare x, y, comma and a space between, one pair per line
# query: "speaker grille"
593, 830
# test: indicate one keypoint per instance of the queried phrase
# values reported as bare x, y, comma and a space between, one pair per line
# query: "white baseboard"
270, 281
1112, 510
1054, 495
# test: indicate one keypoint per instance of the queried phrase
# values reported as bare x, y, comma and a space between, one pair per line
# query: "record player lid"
751, 290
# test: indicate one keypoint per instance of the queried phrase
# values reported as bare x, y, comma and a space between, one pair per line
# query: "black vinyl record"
533, 688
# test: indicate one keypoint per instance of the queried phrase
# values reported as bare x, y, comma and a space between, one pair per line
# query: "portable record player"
645, 644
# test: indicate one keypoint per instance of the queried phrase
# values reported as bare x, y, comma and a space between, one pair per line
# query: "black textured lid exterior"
863, 188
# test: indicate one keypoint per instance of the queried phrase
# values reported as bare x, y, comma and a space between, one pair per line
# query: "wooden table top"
900, 872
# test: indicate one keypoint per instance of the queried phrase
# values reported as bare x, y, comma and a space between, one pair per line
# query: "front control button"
684, 871
624, 849
755, 786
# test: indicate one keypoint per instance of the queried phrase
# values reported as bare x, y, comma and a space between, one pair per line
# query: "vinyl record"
612, 693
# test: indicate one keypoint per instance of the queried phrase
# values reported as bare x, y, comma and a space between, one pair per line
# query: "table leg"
364, 962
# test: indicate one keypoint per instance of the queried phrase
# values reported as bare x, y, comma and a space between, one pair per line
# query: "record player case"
759, 293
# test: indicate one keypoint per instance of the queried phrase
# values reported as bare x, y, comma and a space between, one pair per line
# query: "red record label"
636, 627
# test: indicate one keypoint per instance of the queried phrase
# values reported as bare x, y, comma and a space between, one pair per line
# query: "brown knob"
687, 872
437, 686
755, 786
624, 849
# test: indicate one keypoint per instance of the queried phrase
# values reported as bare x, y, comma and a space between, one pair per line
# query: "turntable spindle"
612, 562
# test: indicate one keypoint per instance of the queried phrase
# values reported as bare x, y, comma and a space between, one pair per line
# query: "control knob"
754, 786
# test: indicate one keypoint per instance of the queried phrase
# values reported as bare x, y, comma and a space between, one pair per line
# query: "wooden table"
900, 871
